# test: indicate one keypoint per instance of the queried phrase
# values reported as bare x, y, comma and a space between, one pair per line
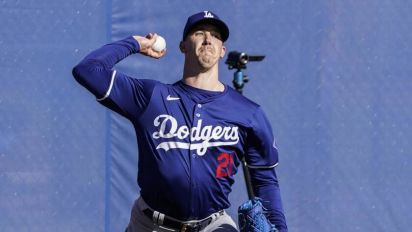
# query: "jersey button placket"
194, 179
199, 106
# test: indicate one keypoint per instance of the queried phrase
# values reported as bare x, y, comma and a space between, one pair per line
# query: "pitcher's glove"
252, 218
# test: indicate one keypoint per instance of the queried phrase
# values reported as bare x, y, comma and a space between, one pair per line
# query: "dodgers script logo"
201, 137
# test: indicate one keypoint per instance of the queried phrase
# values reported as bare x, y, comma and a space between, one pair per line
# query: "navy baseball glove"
251, 216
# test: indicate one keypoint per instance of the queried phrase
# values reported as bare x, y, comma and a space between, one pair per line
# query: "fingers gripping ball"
160, 44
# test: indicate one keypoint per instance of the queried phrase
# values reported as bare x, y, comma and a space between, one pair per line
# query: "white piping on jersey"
261, 167
110, 87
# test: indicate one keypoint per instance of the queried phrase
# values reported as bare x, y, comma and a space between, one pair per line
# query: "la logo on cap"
207, 14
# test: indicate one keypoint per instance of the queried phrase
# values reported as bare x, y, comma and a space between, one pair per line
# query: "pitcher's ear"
222, 52
182, 47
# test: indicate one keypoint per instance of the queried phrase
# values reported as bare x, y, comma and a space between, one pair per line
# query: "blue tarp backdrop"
336, 85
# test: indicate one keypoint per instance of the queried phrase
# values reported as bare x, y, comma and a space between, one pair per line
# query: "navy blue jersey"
190, 140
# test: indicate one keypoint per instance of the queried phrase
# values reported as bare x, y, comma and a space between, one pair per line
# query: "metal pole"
239, 82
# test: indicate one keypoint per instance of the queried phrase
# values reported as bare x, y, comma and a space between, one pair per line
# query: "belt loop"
161, 218
155, 217
158, 217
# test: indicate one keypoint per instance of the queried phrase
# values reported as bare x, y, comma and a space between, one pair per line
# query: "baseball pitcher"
191, 134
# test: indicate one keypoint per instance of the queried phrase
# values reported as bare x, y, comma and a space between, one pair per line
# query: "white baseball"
160, 44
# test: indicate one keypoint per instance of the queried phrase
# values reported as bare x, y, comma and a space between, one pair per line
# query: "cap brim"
222, 27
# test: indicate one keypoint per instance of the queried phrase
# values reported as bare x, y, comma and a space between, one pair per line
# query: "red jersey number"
225, 165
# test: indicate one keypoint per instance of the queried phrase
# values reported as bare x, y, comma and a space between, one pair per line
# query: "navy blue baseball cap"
206, 17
